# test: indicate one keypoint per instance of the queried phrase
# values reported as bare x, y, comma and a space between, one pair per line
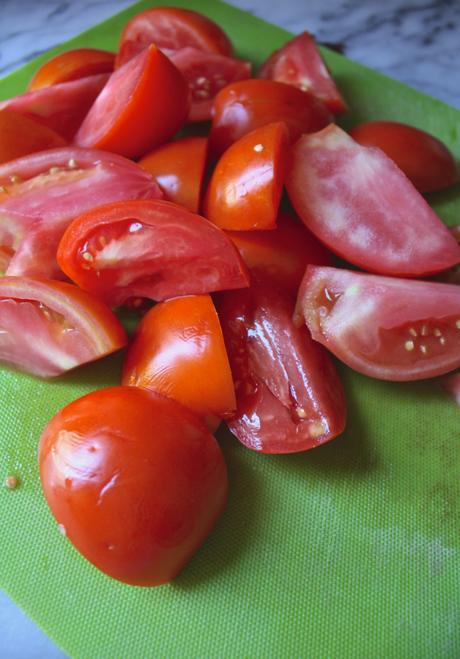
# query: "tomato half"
357, 201
72, 65
425, 160
60, 107
171, 28
179, 351
300, 63
153, 249
387, 328
289, 397
178, 167
135, 481
40, 194
143, 105
245, 189
249, 104
20, 135
49, 327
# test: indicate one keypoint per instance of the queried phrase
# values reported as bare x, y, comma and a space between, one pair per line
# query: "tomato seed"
423, 349
437, 332
11, 482
72, 163
87, 256
424, 330
413, 331
409, 346
457, 324
258, 148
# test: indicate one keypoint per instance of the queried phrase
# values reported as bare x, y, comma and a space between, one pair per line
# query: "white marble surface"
416, 42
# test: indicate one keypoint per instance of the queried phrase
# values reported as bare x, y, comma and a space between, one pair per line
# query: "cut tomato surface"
357, 201
154, 249
72, 65
49, 327
289, 396
384, 327
300, 63
20, 135
40, 194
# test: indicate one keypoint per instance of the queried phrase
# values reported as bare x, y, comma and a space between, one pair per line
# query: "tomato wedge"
72, 65
153, 249
40, 194
300, 63
60, 107
143, 105
20, 135
49, 327
387, 328
171, 28
179, 351
357, 201
289, 396
245, 189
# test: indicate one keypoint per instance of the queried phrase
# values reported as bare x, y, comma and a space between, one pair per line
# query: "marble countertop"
415, 41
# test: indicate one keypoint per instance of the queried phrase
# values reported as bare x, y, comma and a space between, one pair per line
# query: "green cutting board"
350, 550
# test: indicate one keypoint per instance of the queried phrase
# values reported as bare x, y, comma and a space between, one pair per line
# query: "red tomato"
179, 351
49, 327
40, 195
143, 105
179, 167
60, 107
387, 328
249, 104
20, 136
300, 63
289, 397
154, 249
206, 74
245, 189
423, 158
72, 65
135, 481
362, 207
451, 385
282, 254
171, 28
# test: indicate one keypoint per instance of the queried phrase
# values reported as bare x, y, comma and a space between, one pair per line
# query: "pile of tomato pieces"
104, 192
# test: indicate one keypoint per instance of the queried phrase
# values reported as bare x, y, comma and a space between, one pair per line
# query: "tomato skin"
179, 351
383, 327
424, 159
72, 65
50, 327
245, 189
249, 104
20, 135
179, 168
142, 106
136, 481
171, 28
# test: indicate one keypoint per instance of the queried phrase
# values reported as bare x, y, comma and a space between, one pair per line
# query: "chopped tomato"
171, 28
387, 328
60, 107
154, 249
423, 158
135, 480
143, 105
49, 327
178, 167
20, 135
363, 208
245, 189
300, 63
72, 65
249, 104
179, 351
289, 397
40, 194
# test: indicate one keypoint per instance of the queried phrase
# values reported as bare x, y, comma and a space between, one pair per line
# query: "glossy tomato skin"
179, 351
20, 135
289, 396
357, 201
135, 480
300, 63
154, 249
50, 327
179, 167
245, 189
171, 28
249, 104
143, 105
72, 65
424, 159
383, 327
